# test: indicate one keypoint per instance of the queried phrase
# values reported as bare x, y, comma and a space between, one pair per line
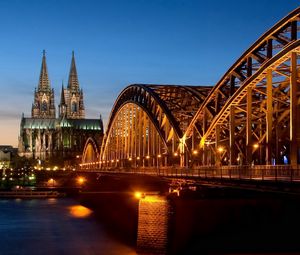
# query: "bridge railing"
258, 172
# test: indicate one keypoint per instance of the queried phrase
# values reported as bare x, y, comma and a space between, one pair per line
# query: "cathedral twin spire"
71, 103
44, 84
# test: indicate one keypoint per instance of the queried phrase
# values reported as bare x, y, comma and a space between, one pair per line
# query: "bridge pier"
153, 217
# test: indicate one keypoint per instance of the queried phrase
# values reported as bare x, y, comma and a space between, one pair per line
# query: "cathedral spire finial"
44, 53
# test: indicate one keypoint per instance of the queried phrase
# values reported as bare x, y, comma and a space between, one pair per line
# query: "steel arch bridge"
250, 117
91, 152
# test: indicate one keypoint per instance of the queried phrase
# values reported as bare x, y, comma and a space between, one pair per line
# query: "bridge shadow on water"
120, 223
235, 222
210, 220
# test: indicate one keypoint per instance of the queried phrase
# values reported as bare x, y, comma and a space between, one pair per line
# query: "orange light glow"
79, 211
220, 149
80, 180
255, 146
195, 152
175, 154
139, 195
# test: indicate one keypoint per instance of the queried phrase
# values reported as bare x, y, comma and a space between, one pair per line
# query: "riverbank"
30, 194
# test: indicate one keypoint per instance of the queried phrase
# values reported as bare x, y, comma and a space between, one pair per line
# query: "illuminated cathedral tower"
61, 139
71, 100
43, 106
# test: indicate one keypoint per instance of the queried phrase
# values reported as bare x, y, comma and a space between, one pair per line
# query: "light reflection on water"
52, 200
79, 211
54, 226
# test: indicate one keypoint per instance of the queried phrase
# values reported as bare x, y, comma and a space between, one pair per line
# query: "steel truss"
249, 117
146, 124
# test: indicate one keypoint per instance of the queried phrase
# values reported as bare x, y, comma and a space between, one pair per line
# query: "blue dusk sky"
118, 43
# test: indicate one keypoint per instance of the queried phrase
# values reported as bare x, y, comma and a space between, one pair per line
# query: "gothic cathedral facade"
59, 139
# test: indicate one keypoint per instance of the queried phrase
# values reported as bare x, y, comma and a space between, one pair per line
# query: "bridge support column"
249, 127
218, 148
182, 152
293, 111
153, 224
269, 117
232, 136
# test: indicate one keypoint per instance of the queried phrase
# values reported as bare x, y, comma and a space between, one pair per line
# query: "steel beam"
293, 111
249, 127
269, 116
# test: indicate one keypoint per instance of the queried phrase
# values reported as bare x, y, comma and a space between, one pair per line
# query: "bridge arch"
260, 86
249, 117
91, 153
147, 123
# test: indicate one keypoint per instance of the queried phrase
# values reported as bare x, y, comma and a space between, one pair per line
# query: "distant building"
43, 136
7, 153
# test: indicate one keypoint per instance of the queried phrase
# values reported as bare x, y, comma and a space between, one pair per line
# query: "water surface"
54, 227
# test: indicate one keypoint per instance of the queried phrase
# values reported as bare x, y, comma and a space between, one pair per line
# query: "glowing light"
139, 195
137, 158
79, 211
220, 149
117, 160
130, 159
195, 152
202, 142
51, 182
255, 146
159, 156
175, 154
147, 157
77, 156
80, 180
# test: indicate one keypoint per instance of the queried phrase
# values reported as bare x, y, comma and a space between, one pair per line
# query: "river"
54, 227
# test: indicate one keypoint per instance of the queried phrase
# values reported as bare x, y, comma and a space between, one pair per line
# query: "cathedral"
57, 139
